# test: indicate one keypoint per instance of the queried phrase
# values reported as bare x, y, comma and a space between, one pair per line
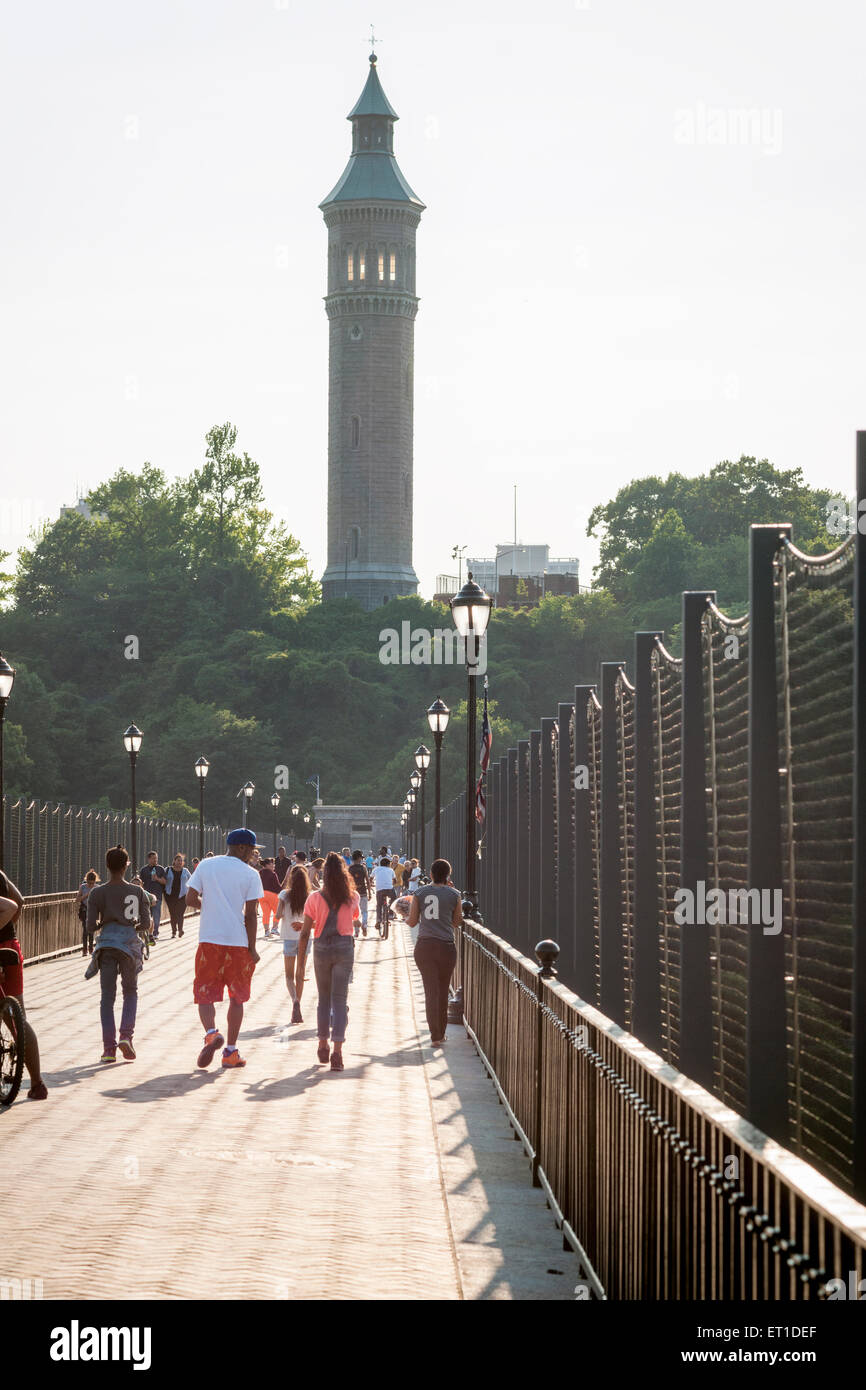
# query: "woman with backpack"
329, 916
118, 909
91, 878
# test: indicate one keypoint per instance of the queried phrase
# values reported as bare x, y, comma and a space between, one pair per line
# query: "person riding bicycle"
11, 903
119, 909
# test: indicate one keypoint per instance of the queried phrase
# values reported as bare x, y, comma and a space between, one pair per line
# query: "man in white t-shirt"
227, 890
383, 879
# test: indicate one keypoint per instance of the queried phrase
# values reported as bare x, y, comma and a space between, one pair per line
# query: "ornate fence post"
584, 963
546, 953
859, 914
647, 993
612, 1000
766, 1023
565, 844
696, 1017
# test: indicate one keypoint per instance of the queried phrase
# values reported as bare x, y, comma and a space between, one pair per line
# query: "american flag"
480, 801
486, 735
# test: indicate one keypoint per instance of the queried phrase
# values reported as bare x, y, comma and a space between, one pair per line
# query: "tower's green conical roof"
372, 101
372, 173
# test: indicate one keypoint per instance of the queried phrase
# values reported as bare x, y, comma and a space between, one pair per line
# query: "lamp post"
307, 822
275, 801
132, 742
7, 680
202, 768
437, 717
422, 762
318, 828
414, 783
412, 797
470, 610
295, 809
246, 792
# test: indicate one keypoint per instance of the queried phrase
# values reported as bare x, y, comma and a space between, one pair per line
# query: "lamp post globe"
275, 801
132, 743
7, 680
202, 768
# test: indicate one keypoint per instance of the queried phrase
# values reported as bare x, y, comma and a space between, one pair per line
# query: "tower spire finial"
373, 42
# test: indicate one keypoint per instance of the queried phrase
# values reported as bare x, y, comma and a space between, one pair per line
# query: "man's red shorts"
13, 976
221, 967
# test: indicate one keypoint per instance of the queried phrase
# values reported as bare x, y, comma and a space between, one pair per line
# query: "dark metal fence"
663, 1192
50, 846
695, 840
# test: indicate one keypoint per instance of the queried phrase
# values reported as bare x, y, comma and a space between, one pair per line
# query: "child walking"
116, 908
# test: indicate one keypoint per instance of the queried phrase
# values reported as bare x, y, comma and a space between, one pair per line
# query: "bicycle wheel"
11, 1048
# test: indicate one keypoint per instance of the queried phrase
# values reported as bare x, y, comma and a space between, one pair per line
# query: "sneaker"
212, 1041
126, 1047
364, 930
297, 1016
109, 1055
233, 1058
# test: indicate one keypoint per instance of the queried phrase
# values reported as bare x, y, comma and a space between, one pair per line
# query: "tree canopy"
183, 607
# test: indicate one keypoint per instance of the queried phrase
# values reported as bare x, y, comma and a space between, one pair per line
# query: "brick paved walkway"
396, 1179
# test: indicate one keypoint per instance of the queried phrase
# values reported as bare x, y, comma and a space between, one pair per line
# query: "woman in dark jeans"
436, 910
330, 915
176, 880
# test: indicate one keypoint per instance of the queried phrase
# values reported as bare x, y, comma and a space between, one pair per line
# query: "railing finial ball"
546, 953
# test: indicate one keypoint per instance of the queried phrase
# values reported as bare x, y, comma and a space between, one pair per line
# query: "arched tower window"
350, 266
392, 268
362, 265
354, 542
381, 267
356, 431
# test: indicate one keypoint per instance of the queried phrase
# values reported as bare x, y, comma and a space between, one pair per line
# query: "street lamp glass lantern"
415, 779
202, 768
295, 808
437, 717
132, 739
422, 757
248, 788
470, 609
7, 678
275, 799
410, 796
307, 818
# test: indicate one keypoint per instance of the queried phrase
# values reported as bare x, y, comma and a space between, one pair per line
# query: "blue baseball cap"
241, 837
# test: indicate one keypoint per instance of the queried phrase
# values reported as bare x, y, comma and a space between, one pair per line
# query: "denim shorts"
290, 947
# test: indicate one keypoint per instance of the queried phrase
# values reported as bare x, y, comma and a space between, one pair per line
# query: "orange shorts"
221, 967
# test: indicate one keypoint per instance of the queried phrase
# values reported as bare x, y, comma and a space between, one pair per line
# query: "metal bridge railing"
50, 845
662, 1191
695, 839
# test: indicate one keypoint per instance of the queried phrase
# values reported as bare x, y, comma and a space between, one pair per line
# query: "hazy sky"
621, 270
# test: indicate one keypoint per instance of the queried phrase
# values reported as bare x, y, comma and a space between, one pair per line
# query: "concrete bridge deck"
396, 1179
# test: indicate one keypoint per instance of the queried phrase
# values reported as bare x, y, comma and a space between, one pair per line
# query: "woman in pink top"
330, 915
